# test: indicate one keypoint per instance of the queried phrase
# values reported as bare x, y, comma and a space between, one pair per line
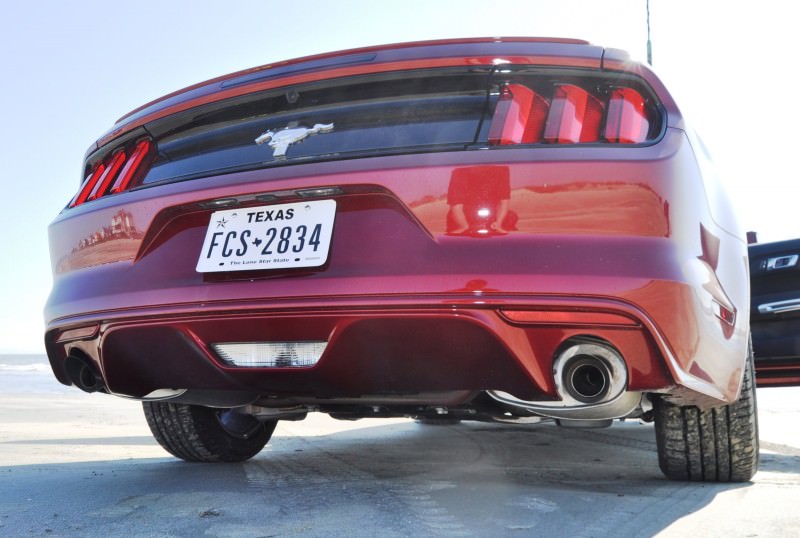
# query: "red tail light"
575, 116
116, 173
626, 122
132, 166
88, 185
112, 169
519, 116
571, 114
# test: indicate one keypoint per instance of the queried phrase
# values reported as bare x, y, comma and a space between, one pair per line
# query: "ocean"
22, 374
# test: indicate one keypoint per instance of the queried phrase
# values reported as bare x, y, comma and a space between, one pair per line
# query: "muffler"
83, 374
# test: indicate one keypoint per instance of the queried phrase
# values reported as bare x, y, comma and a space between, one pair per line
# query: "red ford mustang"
509, 230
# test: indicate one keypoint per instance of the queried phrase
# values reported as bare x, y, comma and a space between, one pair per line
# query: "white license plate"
268, 237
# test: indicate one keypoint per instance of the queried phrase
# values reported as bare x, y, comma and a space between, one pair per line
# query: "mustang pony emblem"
280, 141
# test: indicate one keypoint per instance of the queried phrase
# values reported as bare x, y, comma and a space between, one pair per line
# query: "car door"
775, 311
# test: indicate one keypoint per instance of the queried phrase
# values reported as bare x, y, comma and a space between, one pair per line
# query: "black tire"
203, 434
714, 445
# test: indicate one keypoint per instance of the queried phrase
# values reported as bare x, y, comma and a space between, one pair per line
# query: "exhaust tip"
586, 378
83, 374
589, 372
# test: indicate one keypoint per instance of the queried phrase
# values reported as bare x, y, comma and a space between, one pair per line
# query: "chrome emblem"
280, 141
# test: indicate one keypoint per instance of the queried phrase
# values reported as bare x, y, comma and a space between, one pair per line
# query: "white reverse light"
271, 354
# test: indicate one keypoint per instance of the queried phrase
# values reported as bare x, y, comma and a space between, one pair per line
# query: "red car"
509, 230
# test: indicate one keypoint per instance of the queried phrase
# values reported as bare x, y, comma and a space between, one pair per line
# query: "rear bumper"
392, 346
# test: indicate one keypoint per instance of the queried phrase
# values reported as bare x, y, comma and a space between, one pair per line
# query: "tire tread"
193, 433
712, 445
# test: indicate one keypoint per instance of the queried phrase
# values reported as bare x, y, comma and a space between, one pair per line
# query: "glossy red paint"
428, 251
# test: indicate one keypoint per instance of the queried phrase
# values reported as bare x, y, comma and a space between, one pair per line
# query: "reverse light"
271, 354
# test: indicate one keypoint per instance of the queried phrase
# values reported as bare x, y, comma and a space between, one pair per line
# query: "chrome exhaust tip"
591, 380
589, 372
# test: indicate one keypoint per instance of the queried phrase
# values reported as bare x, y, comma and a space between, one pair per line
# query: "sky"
70, 69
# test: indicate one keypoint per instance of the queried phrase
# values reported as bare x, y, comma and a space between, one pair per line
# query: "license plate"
281, 236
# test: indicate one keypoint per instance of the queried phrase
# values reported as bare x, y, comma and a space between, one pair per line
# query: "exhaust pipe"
589, 372
587, 379
591, 379
83, 374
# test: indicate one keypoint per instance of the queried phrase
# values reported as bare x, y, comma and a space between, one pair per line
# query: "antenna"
649, 44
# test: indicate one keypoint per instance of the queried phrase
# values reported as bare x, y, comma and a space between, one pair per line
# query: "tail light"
519, 116
111, 170
570, 114
626, 122
88, 185
575, 116
119, 171
132, 166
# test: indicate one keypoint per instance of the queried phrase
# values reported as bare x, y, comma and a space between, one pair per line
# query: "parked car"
775, 312
510, 230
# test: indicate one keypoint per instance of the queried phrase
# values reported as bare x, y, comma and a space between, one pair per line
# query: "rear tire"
715, 445
204, 434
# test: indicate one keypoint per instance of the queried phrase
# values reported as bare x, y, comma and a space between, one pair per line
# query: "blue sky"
70, 69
